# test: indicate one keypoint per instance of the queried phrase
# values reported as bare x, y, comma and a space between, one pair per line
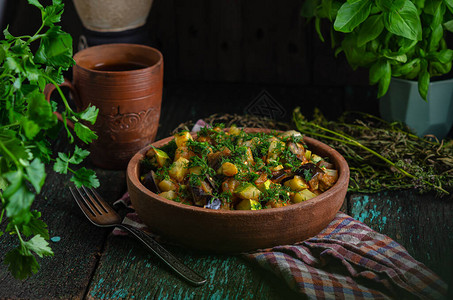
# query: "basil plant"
399, 38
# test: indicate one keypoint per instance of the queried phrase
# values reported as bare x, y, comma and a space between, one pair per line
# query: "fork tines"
89, 201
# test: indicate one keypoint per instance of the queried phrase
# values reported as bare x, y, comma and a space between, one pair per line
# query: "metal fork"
102, 215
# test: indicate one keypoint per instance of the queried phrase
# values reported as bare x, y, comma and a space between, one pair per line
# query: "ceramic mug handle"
48, 90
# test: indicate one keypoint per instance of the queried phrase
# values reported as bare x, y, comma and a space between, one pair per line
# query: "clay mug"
124, 81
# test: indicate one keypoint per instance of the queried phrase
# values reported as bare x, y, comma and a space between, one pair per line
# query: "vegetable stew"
235, 170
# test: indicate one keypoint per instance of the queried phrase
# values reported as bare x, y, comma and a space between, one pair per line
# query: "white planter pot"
113, 15
403, 103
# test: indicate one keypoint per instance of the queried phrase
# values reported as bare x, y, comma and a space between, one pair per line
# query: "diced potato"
276, 168
248, 191
181, 138
178, 170
276, 203
161, 157
290, 133
229, 185
296, 184
229, 169
333, 173
249, 157
275, 148
167, 185
170, 195
308, 154
302, 196
259, 182
196, 170
183, 151
267, 184
248, 204
328, 179
315, 158
234, 130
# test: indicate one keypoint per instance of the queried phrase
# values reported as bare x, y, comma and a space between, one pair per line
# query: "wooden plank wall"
252, 41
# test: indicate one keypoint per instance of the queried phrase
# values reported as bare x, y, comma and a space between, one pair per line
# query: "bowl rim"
340, 163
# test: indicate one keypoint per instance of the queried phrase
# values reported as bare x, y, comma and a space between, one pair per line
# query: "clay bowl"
237, 231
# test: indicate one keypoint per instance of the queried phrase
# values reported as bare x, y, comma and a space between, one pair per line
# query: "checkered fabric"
347, 260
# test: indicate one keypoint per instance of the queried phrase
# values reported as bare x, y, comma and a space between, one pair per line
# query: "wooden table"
91, 263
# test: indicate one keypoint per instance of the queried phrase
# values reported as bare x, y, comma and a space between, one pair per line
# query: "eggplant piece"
313, 170
214, 159
281, 176
213, 203
297, 150
150, 182
211, 182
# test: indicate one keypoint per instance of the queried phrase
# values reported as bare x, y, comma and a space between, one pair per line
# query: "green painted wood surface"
67, 274
423, 224
127, 270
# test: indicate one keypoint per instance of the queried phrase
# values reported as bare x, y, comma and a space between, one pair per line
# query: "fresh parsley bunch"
27, 125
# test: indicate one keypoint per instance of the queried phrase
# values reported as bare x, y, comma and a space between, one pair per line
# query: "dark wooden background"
246, 47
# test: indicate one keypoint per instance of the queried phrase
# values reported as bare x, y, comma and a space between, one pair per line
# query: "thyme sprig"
383, 155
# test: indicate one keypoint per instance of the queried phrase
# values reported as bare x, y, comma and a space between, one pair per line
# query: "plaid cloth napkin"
347, 260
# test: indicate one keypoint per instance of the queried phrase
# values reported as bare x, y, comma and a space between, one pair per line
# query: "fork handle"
168, 258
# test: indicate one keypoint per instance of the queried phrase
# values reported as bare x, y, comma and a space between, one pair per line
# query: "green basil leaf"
389, 5
377, 70
85, 177
423, 80
438, 68
330, 8
432, 6
318, 29
402, 58
449, 4
357, 56
404, 22
309, 8
370, 30
384, 81
407, 67
443, 56
352, 14
449, 25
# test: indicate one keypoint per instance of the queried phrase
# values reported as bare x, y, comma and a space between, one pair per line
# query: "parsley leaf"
84, 133
85, 177
21, 265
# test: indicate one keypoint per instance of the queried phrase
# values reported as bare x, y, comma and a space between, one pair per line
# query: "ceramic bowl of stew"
237, 231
